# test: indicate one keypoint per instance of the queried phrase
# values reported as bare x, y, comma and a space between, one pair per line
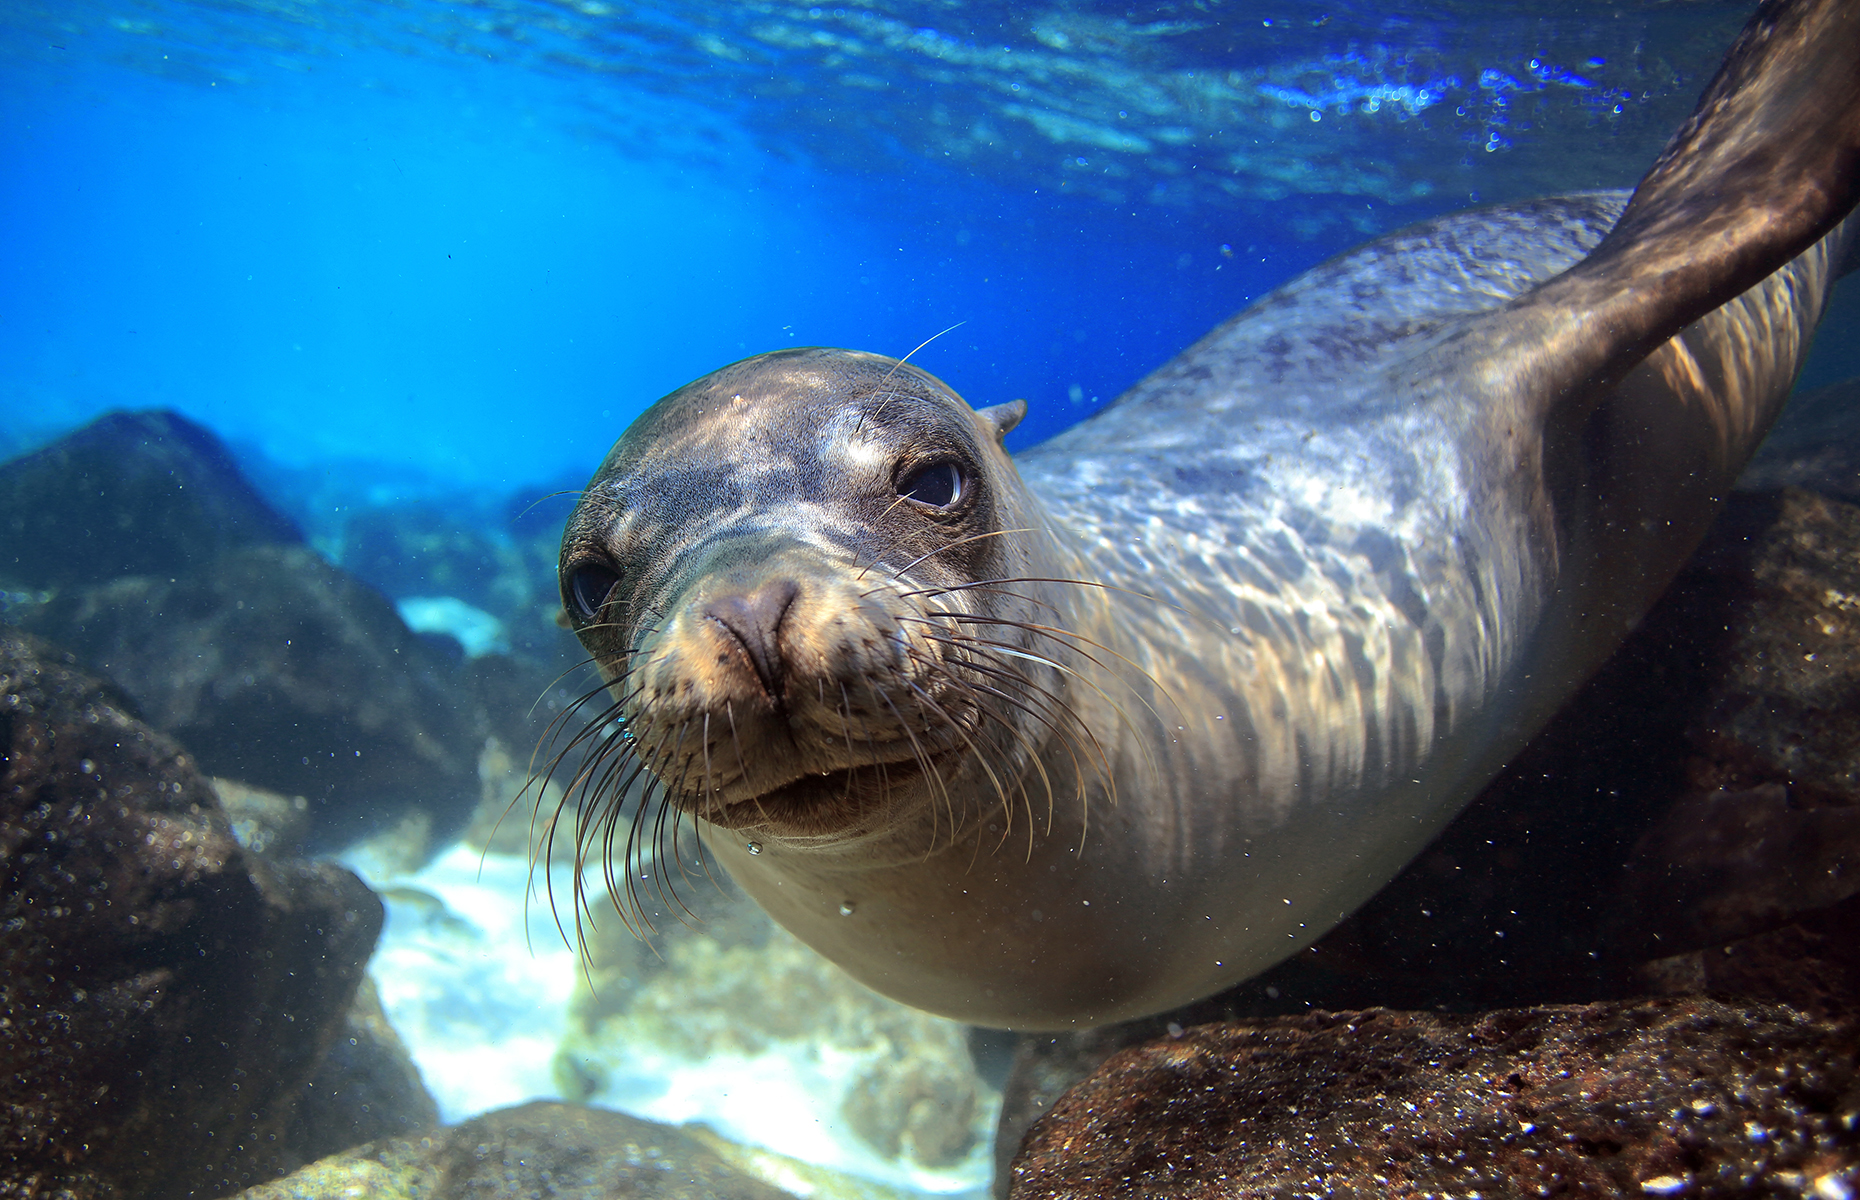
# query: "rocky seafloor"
1632, 967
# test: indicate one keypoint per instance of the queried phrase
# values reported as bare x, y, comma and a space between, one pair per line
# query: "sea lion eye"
938, 485
588, 588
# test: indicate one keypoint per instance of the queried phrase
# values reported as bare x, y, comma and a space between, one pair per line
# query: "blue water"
420, 247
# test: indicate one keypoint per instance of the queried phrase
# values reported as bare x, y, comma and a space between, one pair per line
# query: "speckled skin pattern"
1155, 705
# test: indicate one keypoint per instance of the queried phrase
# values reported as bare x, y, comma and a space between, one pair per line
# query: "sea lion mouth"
826, 802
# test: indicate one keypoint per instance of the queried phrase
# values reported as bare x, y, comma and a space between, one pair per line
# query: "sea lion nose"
754, 619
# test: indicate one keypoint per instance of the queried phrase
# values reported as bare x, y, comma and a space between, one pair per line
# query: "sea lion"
1061, 740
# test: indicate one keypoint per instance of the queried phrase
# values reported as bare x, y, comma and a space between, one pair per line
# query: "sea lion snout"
754, 618
773, 636
790, 693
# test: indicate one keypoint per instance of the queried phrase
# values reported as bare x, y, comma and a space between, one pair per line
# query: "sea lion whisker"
594, 738
594, 731
924, 764
600, 745
1123, 717
846, 739
1025, 743
707, 788
1073, 722
742, 767
576, 492
591, 757
1040, 703
633, 848
1090, 583
927, 766
1072, 639
590, 661
709, 792
1022, 597
919, 346
663, 884
605, 782
593, 798
529, 891
571, 711
667, 890
604, 798
924, 698
885, 397
599, 836
1007, 807
676, 815
599, 833
561, 720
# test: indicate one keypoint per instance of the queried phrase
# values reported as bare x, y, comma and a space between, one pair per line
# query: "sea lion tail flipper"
1767, 165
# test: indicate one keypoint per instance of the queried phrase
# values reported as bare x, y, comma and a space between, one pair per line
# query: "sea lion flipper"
1766, 166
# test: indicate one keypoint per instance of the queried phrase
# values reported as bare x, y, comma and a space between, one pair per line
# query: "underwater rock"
1811, 964
1722, 866
165, 995
1652, 1097
540, 1149
367, 1088
148, 493
264, 822
284, 672
1815, 445
1785, 705
137, 543
914, 1108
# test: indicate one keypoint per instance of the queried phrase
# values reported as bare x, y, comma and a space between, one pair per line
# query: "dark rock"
165, 996
1726, 865
1811, 964
282, 671
367, 1088
146, 493
264, 822
1816, 445
1657, 1097
542, 1149
1785, 702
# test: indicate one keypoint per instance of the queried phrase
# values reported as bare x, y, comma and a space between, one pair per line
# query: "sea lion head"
805, 579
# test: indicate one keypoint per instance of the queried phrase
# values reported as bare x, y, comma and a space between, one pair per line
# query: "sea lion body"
1098, 734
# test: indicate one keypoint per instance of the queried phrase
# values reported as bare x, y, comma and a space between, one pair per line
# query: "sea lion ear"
1003, 416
